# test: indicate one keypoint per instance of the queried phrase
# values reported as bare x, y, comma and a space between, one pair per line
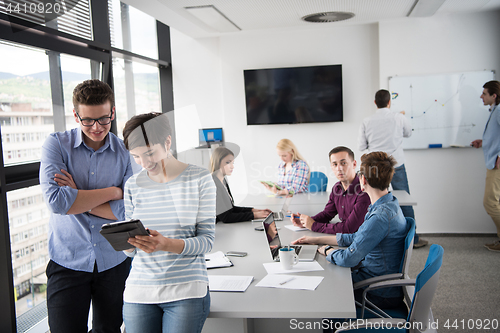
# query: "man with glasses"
82, 174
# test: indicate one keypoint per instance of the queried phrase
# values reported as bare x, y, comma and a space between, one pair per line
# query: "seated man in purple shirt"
347, 200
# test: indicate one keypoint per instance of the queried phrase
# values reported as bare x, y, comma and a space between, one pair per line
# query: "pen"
207, 259
286, 281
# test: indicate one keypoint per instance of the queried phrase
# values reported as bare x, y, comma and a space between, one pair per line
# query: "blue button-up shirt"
491, 138
378, 245
74, 241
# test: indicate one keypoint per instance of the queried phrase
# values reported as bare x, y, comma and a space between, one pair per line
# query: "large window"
68, 16
28, 224
40, 67
74, 70
136, 88
133, 30
26, 116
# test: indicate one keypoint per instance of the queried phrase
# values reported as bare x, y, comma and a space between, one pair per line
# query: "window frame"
99, 50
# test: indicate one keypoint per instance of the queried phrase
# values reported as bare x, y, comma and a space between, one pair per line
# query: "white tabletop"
318, 200
258, 302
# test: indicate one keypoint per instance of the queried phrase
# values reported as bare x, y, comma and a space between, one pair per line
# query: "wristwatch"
328, 247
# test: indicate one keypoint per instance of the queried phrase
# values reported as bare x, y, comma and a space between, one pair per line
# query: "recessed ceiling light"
423, 8
213, 17
328, 17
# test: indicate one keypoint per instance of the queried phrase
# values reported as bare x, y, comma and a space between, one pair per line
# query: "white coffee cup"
288, 258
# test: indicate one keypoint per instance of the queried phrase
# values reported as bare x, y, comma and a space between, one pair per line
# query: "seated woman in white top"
167, 289
293, 171
222, 165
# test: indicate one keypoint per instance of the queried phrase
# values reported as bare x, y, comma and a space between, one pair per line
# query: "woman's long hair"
288, 146
217, 156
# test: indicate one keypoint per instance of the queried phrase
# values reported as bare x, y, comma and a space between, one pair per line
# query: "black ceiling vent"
328, 17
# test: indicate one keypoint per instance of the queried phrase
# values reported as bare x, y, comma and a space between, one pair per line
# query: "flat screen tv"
294, 95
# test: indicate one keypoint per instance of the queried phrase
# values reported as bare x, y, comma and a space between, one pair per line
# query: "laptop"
305, 252
280, 216
208, 137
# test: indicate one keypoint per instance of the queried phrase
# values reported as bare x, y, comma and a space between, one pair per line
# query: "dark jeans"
69, 294
400, 182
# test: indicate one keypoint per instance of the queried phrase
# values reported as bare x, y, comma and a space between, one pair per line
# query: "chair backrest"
425, 288
318, 181
405, 264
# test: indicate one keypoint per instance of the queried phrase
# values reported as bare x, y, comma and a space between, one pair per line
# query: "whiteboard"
444, 110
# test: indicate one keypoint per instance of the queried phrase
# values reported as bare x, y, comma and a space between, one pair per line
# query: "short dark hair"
382, 98
341, 149
92, 92
378, 168
146, 130
493, 87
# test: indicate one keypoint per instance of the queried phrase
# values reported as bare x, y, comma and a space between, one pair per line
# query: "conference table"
255, 309
264, 310
314, 199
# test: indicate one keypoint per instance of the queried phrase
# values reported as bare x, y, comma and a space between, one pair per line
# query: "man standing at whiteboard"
384, 131
491, 150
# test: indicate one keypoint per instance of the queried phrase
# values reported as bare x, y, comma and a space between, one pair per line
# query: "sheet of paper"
294, 228
229, 282
276, 268
217, 259
290, 281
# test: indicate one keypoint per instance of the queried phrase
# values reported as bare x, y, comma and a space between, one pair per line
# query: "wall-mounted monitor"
293, 95
209, 136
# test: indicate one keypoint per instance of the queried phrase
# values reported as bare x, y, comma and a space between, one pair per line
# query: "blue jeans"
184, 316
400, 182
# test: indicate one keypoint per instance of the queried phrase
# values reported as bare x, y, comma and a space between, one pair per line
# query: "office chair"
420, 318
318, 181
402, 274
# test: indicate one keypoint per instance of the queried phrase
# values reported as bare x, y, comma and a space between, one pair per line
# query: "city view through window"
37, 79
26, 119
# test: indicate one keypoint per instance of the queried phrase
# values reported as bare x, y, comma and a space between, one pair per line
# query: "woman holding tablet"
222, 165
293, 171
167, 289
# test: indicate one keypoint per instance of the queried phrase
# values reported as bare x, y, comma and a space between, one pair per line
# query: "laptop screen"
273, 238
210, 135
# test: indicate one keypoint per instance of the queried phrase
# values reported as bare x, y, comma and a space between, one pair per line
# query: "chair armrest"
376, 279
380, 285
391, 283
372, 323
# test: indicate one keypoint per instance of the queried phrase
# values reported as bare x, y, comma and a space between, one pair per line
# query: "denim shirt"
491, 138
74, 240
378, 245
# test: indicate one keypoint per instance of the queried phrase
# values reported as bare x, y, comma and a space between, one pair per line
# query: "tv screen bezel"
340, 94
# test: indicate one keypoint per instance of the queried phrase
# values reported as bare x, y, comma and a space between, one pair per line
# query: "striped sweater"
183, 208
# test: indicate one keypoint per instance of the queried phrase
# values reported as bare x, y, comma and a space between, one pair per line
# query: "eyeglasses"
90, 122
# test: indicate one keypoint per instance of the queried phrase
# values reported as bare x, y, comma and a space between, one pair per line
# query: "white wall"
447, 184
